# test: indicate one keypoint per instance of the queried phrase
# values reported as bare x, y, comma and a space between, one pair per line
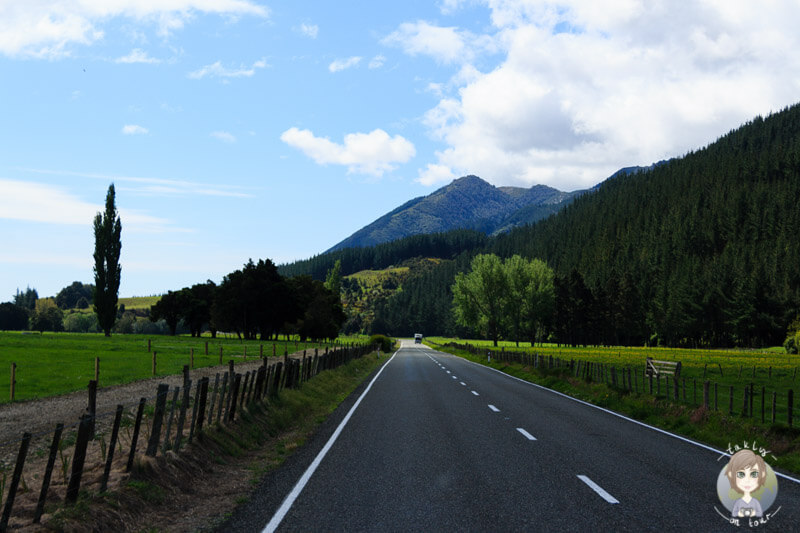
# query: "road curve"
439, 443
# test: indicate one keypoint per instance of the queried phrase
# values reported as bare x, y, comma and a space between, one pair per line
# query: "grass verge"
212, 477
711, 427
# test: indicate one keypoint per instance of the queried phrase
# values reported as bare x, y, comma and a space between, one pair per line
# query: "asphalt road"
441, 444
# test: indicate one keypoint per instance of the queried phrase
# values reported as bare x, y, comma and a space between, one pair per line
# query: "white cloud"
153, 186
309, 30
377, 61
584, 88
137, 55
38, 202
223, 136
48, 28
342, 64
134, 129
444, 44
216, 70
434, 174
365, 153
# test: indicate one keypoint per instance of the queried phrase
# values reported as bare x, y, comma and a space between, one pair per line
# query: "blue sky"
243, 128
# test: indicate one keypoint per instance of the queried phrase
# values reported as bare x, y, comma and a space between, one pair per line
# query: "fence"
175, 419
735, 400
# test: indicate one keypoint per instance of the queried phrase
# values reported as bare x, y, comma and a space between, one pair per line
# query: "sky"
237, 129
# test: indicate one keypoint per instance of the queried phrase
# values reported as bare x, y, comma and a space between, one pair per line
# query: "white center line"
598, 489
493, 408
526, 434
475, 393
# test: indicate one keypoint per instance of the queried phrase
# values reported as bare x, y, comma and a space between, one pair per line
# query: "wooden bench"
655, 368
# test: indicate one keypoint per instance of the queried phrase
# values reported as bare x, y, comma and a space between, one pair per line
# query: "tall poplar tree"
107, 270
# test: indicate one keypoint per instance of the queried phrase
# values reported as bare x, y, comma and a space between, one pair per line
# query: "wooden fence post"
78, 459
774, 404
154, 363
730, 401
136, 427
191, 357
194, 408
12, 489
158, 420
13, 379
222, 396
97, 369
112, 444
231, 415
705, 393
716, 408
182, 416
172, 404
48, 472
91, 410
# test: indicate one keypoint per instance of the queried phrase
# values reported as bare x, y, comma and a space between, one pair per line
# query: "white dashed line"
598, 489
493, 408
526, 434
463, 383
475, 393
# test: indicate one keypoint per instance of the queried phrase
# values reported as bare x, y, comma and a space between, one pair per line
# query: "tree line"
256, 302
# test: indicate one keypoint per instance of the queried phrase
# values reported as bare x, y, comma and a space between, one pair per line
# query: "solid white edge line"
526, 434
598, 489
493, 408
301, 483
618, 415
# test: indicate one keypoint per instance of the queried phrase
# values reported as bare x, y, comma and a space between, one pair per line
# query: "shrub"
385, 343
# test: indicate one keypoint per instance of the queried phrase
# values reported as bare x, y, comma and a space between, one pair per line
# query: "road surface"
436, 443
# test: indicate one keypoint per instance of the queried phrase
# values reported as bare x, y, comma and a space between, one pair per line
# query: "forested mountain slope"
700, 250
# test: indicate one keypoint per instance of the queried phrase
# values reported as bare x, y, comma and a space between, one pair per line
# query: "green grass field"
57, 363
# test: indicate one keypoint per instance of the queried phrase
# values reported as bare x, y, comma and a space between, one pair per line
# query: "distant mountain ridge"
467, 203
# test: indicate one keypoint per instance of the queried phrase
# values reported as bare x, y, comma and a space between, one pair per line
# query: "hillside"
469, 203
701, 250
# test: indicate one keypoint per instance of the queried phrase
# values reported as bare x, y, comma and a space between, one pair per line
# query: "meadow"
51, 364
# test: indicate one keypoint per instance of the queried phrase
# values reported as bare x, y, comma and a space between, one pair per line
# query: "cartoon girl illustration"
746, 473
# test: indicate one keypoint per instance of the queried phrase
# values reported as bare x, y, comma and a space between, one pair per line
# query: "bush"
81, 323
386, 344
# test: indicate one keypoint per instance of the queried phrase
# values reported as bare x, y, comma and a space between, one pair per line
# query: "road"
438, 443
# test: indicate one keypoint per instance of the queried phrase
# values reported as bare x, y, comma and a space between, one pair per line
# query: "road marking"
618, 415
526, 434
455, 377
493, 408
300, 485
475, 393
448, 371
463, 383
598, 489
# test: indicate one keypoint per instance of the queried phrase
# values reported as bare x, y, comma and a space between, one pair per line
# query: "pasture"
50, 364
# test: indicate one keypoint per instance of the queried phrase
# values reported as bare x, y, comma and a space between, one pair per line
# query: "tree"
107, 270
479, 296
69, 296
539, 299
26, 299
168, 307
333, 280
47, 317
13, 317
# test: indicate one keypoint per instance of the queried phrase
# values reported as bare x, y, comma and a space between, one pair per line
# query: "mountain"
466, 203
701, 250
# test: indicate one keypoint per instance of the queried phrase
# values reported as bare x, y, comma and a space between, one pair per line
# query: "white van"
417, 338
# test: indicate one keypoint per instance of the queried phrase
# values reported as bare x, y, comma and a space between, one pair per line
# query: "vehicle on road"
417, 338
